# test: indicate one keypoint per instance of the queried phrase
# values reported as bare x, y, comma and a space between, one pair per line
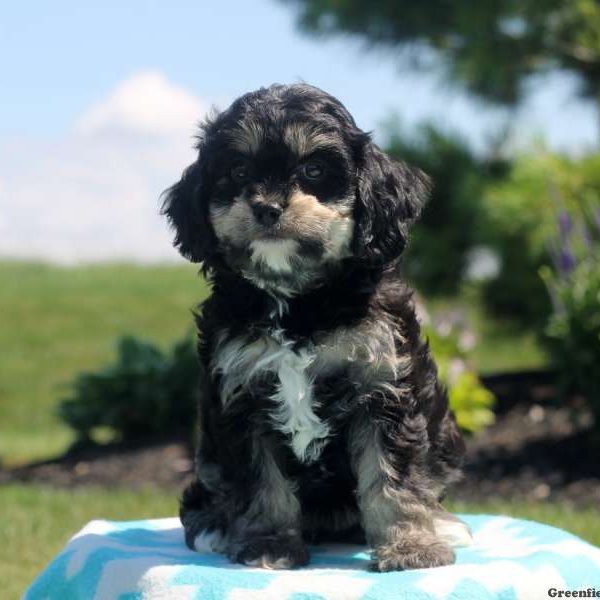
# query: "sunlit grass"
37, 521
59, 321
584, 522
56, 322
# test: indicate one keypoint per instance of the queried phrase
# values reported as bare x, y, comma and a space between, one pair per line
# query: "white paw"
209, 542
452, 530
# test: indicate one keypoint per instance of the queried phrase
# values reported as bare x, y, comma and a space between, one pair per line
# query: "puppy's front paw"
270, 552
399, 556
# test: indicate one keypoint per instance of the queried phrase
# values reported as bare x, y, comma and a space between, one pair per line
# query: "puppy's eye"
240, 173
312, 171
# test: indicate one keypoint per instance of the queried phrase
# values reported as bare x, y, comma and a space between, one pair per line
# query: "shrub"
145, 391
520, 218
149, 392
573, 330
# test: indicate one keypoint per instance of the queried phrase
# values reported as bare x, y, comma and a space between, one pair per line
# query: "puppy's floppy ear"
184, 207
390, 198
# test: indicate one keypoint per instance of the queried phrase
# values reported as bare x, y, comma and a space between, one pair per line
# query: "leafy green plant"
145, 391
451, 342
471, 402
521, 215
573, 330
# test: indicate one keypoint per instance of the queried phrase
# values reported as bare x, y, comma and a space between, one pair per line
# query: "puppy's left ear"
184, 207
390, 198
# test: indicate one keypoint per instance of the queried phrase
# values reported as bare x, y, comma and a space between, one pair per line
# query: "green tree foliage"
470, 401
450, 225
490, 47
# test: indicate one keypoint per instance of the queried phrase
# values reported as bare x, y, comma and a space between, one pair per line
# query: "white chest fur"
241, 362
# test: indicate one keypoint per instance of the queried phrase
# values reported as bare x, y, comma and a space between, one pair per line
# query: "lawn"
58, 321
37, 521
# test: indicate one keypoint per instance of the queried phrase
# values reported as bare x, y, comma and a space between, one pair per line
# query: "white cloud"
144, 103
94, 194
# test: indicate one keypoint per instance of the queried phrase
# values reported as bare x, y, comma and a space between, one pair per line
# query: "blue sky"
85, 85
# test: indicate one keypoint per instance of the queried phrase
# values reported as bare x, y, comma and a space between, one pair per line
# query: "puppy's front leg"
268, 533
395, 496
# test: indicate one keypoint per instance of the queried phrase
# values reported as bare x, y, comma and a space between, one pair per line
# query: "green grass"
582, 522
37, 521
59, 321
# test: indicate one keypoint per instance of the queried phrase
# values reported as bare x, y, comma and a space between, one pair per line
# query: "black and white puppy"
321, 416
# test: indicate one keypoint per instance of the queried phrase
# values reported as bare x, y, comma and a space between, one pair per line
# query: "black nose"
266, 214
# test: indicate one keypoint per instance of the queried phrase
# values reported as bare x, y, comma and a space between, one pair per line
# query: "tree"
451, 222
489, 46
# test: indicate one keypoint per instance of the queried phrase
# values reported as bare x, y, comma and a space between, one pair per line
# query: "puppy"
321, 416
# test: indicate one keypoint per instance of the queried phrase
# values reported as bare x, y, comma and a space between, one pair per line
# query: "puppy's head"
286, 188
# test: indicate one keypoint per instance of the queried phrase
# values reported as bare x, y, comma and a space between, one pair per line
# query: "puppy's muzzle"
266, 213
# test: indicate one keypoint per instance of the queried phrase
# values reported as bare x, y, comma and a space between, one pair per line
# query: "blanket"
147, 560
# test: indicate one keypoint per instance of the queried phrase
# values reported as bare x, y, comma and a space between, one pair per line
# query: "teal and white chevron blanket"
509, 559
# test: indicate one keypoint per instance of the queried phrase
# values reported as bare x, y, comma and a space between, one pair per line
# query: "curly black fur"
320, 414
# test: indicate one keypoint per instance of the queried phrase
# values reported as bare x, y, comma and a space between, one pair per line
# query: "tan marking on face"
303, 141
307, 217
303, 218
247, 137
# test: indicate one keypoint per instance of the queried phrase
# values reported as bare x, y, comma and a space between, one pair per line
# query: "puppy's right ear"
184, 207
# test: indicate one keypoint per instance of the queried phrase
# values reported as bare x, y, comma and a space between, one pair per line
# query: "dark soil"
162, 462
534, 451
537, 449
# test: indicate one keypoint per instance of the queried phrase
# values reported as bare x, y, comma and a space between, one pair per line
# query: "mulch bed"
534, 451
161, 462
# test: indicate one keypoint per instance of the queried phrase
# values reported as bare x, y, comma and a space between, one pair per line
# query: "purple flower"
566, 261
565, 224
